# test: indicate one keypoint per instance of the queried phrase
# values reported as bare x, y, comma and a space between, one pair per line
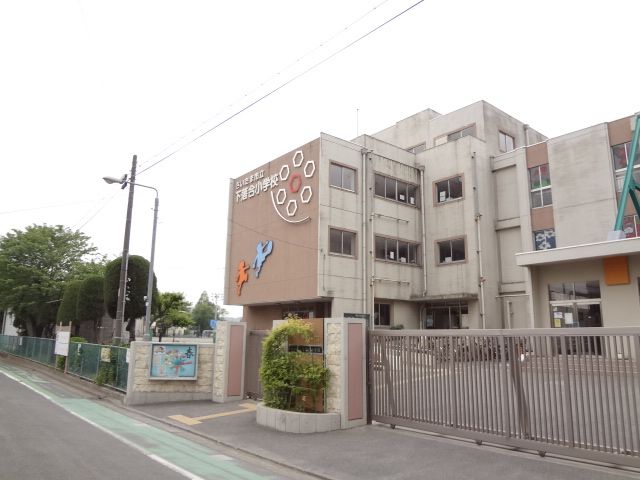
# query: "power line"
280, 87
102, 207
269, 80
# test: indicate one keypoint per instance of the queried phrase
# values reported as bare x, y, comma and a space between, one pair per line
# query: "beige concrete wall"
620, 303
405, 313
141, 389
584, 211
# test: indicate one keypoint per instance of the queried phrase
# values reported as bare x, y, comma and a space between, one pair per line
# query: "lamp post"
147, 319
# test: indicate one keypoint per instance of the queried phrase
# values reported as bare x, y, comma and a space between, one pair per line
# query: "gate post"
345, 356
229, 362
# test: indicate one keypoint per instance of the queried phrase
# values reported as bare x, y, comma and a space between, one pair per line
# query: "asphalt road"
51, 431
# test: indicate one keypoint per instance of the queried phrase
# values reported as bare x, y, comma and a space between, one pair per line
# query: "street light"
147, 319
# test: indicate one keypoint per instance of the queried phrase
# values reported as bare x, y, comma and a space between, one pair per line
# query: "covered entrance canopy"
589, 285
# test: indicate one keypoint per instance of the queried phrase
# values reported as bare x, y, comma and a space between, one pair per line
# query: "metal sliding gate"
573, 392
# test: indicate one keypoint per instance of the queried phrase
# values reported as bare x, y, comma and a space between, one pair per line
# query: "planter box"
296, 422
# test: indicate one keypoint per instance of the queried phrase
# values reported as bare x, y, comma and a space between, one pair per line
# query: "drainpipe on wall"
477, 217
424, 231
363, 248
526, 134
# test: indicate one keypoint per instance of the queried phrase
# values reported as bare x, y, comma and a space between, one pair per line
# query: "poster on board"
174, 361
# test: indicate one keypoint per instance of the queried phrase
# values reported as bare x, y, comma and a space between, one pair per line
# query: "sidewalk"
373, 451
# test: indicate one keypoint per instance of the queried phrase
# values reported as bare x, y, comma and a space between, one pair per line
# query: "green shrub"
78, 340
61, 361
291, 379
397, 327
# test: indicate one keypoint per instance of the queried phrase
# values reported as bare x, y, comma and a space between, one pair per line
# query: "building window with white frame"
421, 147
540, 184
342, 177
382, 314
630, 226
544, 239
342, 242
396, 190
395, 250
451, 251
449, 189
506, 141
621, 154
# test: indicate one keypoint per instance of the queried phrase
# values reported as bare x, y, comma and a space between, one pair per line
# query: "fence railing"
102, 364
572, 391
39, 350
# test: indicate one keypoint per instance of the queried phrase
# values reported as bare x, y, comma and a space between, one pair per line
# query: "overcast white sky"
86, 84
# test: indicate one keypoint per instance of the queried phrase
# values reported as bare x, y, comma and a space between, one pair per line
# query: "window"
421, 147
396, 250
449, 189
621, 154
630, 226
395, 190
544, 239
461, 133
574, 291
382, 314
342, 242
342, 177
451, 250
540, 183
507, 142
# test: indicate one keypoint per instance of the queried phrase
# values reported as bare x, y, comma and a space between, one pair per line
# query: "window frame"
342, 168
502, 134
376, 314
619, 173
436, 201
540, 190
342, 232
396, 181
451, 239
418, 148
535, 246
409, 244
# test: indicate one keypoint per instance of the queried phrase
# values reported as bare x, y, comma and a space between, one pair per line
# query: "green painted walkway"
188, 458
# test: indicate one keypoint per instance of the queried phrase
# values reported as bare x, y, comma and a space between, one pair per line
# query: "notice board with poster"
174, 361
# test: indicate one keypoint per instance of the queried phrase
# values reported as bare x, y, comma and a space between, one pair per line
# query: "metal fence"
253, 360
574, 392
39, 350
102, 364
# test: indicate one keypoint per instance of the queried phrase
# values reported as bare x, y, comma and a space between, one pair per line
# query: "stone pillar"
229, 358
345, 357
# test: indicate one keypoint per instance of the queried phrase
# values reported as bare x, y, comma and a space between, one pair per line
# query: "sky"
85, 85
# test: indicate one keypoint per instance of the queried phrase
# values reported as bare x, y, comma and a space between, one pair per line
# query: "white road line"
160, 460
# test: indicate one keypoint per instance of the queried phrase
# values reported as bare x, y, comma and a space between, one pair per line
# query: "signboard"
62, 343
173, 361
105, 354
213, 324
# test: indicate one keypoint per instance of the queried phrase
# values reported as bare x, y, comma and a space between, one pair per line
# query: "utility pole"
122, 288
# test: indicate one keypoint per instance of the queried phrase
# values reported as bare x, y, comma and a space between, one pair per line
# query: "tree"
135, 306
205, 310
172, 312
34, 266
67, 313
90, 306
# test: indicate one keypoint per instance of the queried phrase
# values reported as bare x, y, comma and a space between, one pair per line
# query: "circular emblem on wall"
294, 189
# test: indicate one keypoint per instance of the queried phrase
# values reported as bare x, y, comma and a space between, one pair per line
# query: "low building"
436, 222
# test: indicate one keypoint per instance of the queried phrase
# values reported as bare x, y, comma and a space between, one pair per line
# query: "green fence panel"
39, 350
102, 364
